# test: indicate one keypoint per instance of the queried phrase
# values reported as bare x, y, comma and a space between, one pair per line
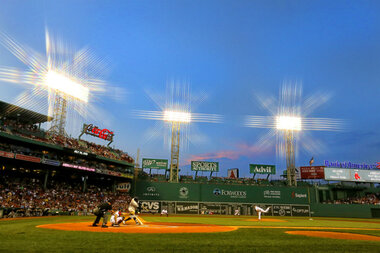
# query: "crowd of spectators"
34, 132
44, 154
370, 199
26, 197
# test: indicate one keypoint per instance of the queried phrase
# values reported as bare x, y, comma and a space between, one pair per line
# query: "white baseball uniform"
116, 218
259, 210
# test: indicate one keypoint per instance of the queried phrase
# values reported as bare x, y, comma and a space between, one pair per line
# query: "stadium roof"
23, 115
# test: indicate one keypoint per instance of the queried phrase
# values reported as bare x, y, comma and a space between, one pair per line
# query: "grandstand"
34, 163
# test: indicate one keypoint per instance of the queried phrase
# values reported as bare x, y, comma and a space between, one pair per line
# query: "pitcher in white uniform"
259, 210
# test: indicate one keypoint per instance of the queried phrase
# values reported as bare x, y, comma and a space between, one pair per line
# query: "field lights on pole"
66, 85
289, 124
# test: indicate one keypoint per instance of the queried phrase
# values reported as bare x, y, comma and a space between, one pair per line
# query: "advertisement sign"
104, 134
28, 158
158, 164
123, 187
209, 208
232, 194
233, 173
7, 154
50, 162
272, 194
187, 208
204, 166
150, 206
371, 176
166, 191
350, 165
337, 174
312, 172
79, 152
354, 175
300, 211
282, 210
78, 167
262, 169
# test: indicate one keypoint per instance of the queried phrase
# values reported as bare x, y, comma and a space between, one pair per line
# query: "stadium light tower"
289, 124
176, 111
69, 77
64, 87
175, 118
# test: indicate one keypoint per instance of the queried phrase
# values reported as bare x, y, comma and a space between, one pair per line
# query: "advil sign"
262, 169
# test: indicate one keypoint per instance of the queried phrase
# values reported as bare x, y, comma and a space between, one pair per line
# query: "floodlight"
182, 117
288, 123
66, 85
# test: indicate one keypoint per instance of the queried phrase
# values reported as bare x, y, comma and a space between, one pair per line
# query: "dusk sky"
228, 53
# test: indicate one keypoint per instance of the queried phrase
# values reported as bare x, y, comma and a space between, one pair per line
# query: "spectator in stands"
28, 198
32, 131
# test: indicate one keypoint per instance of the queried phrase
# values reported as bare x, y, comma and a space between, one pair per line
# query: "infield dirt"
147, 228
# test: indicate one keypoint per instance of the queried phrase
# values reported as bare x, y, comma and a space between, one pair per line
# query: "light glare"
172, 116
66, 85
288, 123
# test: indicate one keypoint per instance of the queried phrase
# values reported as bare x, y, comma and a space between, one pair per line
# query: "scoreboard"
354, 175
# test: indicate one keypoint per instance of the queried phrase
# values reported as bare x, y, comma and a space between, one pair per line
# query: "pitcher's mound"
335, 235
268, 220
149, 228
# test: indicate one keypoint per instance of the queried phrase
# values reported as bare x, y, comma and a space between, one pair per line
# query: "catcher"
116, 219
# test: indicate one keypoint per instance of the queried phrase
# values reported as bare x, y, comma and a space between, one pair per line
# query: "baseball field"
191, 234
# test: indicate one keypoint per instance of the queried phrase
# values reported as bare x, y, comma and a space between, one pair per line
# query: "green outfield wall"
345, 210
223, 193
224, 199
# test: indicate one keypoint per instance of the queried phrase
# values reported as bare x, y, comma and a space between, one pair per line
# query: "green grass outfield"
21, 235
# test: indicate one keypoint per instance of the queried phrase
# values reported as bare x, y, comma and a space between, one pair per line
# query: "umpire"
101, 212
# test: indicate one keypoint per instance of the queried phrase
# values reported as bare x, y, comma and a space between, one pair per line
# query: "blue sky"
230, 50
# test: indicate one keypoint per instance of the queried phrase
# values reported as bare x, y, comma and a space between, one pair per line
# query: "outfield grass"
23, 236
